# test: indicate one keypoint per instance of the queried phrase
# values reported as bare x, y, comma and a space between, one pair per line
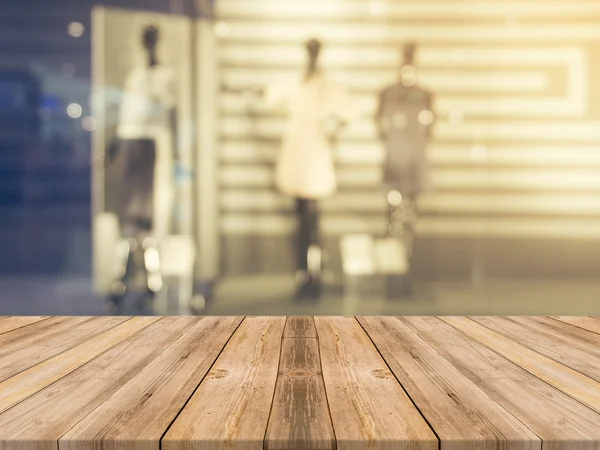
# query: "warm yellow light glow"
394, 198
426, 117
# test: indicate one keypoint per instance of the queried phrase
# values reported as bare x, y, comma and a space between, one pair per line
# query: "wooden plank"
34, 379
569, 381
13, 323
586, 323
573, 353
301, 327
40, 420
574, 336
462, 414
12, 327
230, 409
33, 348
154, 396
369, 409
300, 417
558, 419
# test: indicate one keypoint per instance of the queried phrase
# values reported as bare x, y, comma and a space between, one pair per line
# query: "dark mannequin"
404, 120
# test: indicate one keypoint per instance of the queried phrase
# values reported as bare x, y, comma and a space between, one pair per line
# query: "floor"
274, 295
302, 383
49, 295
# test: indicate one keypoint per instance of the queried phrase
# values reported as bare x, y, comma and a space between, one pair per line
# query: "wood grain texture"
8, 324
300, 417
40, 420
369, 409
302, 383
586, 323
568, 335
34, 379
38, 330
578, 354
571, 335
569, 381
34, 344
463, 416
558, 419
140, 412
300, 327
230, 409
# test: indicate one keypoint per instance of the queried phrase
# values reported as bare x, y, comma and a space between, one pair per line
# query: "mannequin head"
313, 48
408, 53
150, 42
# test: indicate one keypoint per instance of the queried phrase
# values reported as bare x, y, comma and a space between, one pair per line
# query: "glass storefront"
300, 157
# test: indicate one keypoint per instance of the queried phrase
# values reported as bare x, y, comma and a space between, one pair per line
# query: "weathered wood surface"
462, 414
33, 344
557, 418
586, 323
299, 383
300, 417
569, 381
557, 341
154, 396
369, 408
12, 323
230, 409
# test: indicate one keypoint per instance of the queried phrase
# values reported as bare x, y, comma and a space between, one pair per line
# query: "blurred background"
510, 223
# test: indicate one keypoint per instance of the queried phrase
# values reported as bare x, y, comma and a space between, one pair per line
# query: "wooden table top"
299, 383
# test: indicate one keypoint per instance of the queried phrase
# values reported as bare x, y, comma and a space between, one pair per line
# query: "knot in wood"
218, 373
382, 373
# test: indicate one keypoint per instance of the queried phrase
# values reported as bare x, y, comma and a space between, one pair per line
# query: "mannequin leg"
309, 252
118, 288
314, 252
304, 235
395, 214
402, 224
410, 220
136, 213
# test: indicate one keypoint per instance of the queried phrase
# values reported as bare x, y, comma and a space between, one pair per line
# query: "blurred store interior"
302, 157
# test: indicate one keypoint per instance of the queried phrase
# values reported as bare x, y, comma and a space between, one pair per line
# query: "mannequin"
144, 134
404, 121
318, 109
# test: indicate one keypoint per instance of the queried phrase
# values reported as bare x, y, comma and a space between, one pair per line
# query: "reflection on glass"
316, 157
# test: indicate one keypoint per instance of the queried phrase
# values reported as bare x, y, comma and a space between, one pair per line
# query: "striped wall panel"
516, 149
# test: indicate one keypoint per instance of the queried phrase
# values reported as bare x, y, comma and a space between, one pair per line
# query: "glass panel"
313, 157
96, 147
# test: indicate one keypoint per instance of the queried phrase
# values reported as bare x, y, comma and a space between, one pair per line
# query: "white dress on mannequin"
148, 98
305, 166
